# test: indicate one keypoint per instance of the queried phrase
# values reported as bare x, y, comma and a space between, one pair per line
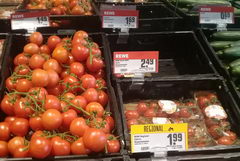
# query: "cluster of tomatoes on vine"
56, 99
63, 7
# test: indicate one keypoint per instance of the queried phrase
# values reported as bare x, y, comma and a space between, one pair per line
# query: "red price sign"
216, 15
29, 20
119, 18
135, 62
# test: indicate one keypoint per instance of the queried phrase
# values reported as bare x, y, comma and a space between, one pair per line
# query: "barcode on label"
123, 70
144, 148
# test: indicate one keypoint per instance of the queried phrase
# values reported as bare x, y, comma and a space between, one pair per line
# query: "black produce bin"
205, 36
180, 53
153, 16
15, 46
155, 89
89, 23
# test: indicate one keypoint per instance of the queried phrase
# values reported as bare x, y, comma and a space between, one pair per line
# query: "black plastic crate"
15, 46
153, 16
180, 53
128, 91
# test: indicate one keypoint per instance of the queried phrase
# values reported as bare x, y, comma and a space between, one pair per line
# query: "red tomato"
80, 52
22, 69
55, 11
153, 105
23, 108
131, 122
94, 139
210, 122
3, 149
110, 121
142, 108
78, 147
9, 119
113, 145
65, 73
91, 95
99, 123
31, 48
99, 74
53, 41
78, 126
69, 96
37, 134
52, 64
185, 113
38, 93
40, 147
40, 78
232, 135
100, 83
21, 152
51, 119
161, 113
215, 131
131, 114
4, 131
21, 59
203, 101
149, 113
80, 34
71, 59
36, 37
77, 69
52, 102
80, 102
35, 123
94, 65
36, 61
77, 10
19, 127
95, 108
79, 41
23, 85
102, 97
56, 90
96, 51
60, 54
7, 104
14, 143
53, 78
44, 49
212, 97
60, 147
88, 81
225, 140
10, 83
70, 83
68, 117
191, 132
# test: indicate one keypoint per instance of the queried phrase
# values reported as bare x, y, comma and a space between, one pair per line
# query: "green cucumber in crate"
235, 71
234, 63
230, 53
227, 35
220, 45
191, 3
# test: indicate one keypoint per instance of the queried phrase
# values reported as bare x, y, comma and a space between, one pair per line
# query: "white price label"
157, 137
216, 15
30, 21
135, 62
120, 19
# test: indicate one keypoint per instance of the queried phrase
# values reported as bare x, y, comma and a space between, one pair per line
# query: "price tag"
135, 62
216, 15
159, 137
29, 20
120, 18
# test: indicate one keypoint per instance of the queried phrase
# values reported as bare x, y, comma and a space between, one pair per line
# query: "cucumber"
234, 63
235, 43
219, 45
227, 35
235, 71
236, 11
231, 53
191, 3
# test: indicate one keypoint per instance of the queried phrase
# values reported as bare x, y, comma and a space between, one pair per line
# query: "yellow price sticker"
159, 137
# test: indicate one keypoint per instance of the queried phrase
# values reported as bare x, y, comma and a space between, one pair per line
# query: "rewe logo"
121, 55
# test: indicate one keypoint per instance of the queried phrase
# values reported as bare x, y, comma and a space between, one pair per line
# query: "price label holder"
121, 17
220, 15
135, 63
159, 138
30, 20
